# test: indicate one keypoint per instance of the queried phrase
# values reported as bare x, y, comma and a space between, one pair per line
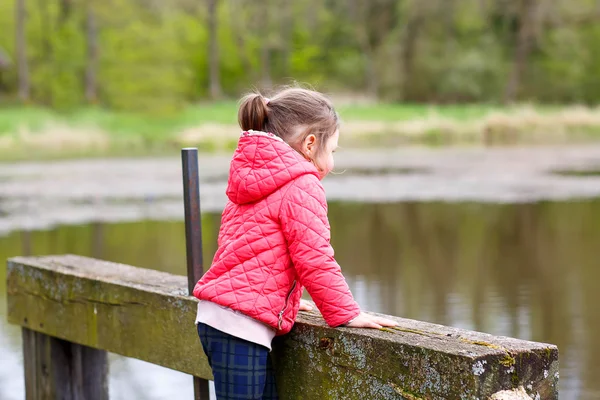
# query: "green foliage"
143, 67
154, 57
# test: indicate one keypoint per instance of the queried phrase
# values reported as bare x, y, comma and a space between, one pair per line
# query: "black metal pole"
193, 220
193, 237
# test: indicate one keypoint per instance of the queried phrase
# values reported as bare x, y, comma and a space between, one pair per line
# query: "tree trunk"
360, 12
312, 15
371, 74
44, 92
4, 63
65, 11
523, 49
449, 16
91, 69
213, 52
21, 50
239, 29
265, 51
287, 32
484, 8
352, 9
449, 12
265, 60
409, 48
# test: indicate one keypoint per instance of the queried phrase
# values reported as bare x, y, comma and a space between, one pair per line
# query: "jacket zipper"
285, 305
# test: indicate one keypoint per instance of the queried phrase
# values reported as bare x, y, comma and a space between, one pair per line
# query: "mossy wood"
147, 315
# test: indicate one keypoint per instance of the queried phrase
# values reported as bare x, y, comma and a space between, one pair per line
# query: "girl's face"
324, 160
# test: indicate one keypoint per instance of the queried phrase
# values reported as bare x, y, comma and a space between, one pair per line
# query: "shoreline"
105, 134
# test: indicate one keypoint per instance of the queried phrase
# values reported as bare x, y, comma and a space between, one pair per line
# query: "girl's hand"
305, 305
369, 321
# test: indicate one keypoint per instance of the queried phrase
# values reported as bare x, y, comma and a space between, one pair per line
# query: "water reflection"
528, 271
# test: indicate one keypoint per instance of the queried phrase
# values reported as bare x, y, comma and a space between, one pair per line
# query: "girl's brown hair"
292, 114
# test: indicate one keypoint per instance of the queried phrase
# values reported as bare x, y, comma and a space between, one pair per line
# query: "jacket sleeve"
303, 217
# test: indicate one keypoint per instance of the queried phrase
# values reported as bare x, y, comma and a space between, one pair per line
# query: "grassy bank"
29, 132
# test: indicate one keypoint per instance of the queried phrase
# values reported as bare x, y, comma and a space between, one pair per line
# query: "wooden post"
193, 237
57, 369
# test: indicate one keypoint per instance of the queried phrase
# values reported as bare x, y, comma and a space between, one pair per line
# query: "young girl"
273, 242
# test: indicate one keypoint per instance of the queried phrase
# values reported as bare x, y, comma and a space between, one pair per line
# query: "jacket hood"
261, 164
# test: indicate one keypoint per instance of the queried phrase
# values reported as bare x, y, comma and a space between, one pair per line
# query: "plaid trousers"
242, 369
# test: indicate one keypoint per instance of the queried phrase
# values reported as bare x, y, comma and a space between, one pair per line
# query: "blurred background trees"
159, 55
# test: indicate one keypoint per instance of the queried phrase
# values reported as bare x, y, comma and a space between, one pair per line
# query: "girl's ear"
309, 146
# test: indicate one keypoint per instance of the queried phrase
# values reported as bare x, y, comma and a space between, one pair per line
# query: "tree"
66, 7
527, 17
287, 27
238, 26
4, 64
265, 48
4, 60
44, 94
21, 50
213, 51
91, 68
373, 20
412, 30
156, 54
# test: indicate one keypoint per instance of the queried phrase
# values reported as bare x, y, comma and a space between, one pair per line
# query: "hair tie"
267, 101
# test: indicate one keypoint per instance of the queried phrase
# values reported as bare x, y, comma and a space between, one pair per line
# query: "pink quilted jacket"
274, 239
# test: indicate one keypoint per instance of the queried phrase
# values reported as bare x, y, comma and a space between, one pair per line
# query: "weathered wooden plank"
417, 360
130, 311
57, 369
146, 314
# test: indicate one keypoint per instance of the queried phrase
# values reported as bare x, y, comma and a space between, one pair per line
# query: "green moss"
417, 331
485, 344
508, 361
407, 394
515, 379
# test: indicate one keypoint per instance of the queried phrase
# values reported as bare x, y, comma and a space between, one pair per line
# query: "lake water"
493, 240
529, 271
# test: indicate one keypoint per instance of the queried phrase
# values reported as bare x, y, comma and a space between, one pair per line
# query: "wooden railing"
74, 309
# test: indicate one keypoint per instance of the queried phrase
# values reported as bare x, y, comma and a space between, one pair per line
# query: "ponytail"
253, 112
291, 114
